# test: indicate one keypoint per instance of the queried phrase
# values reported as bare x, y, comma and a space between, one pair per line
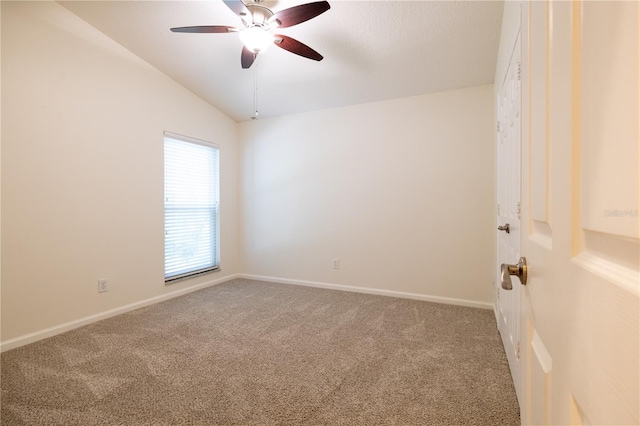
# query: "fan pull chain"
255, 93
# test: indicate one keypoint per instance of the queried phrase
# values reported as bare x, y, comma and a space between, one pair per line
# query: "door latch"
504, 228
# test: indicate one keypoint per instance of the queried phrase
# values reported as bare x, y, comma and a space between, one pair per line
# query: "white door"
580, 183
508, 211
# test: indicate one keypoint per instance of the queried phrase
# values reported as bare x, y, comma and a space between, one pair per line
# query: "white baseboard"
391, 293
58, 329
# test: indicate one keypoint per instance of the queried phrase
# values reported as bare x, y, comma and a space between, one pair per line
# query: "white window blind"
191, 207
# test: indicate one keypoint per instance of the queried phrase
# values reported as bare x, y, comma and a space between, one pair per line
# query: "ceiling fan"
259, 21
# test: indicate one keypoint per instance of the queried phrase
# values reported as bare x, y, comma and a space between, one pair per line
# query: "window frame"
216, 210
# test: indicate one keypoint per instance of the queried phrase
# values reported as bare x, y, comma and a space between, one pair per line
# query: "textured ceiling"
373, 50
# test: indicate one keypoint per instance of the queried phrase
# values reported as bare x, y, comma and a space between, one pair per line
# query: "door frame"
509, 246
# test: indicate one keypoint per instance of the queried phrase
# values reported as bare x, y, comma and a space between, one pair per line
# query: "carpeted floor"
255, 353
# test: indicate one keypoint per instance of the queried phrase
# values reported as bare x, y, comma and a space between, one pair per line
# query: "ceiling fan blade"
294, 46
247, 57
297, 14
205, 29
237, 7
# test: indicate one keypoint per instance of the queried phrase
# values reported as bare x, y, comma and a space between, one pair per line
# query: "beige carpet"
249, 353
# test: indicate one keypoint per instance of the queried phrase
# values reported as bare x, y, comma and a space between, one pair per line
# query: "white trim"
624, 277
58, 329
542, 240
379, 292
543, 356
183, 138
513, 49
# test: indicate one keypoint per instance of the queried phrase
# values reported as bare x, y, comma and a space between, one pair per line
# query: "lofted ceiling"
373, 50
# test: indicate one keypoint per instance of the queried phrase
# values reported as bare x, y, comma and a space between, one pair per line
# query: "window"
191, 207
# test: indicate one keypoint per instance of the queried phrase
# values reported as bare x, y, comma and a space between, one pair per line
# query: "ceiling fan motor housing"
260, 16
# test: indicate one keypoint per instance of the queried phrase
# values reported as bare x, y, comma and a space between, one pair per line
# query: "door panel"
540, 365
609, 113
580, 307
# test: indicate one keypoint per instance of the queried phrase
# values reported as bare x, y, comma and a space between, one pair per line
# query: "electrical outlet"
102, 285
336, 263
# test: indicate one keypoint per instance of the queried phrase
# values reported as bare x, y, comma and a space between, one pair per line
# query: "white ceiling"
373, 50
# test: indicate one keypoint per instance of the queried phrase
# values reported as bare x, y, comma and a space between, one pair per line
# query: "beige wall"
402, 192
82, 170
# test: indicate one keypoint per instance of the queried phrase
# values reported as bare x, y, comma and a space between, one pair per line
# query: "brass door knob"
519, 270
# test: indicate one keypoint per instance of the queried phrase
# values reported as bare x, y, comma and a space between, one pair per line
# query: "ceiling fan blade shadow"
297, 14
205, 29
237, 7
247, 57
294, 46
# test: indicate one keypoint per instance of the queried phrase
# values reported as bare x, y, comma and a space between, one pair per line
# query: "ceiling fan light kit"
258, 22
256, 39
